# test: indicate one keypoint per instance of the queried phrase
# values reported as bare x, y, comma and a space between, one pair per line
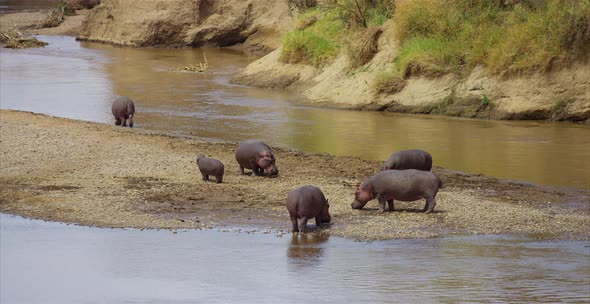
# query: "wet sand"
101, 175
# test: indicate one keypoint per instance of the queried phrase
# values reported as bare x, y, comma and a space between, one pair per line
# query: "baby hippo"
123, 109
305, 203
404, 185
409, 159
210, 166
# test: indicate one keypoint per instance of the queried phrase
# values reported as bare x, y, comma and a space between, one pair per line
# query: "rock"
257, 24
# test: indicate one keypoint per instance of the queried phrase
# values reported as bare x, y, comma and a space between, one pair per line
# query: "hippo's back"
123, 106
305, 201
407, 184
409, 159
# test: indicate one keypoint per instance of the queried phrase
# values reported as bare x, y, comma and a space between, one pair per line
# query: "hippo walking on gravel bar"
404, 185
409, 159
210, 166
123, 109
307, 202
256, 156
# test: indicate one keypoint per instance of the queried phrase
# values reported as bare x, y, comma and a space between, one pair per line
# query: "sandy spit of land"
101, 175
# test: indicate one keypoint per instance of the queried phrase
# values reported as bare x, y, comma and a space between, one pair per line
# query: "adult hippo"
123, 109
409, 159
307, 202
256, 156
404, 185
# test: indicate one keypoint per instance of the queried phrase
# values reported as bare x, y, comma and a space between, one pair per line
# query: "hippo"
404, 185
256, 156
409, 159
123, 109
210, 166
307, 202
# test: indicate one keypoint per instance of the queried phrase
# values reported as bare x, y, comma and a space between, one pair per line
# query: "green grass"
505, 36
316, 44
451, 36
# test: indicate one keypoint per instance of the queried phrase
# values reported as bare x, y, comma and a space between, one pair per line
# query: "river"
56, 263
79, 80
43, 262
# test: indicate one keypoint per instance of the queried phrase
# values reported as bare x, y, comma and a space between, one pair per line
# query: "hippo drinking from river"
210, 166
404, 185
256, 156
123, 109
409, 159
307, 202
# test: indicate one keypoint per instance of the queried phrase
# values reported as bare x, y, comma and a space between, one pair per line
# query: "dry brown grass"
363, 46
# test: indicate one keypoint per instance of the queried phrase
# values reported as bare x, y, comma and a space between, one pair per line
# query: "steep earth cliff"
562, 94
257, 24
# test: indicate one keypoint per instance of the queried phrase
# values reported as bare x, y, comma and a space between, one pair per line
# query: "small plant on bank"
199, 67
485, 101
388, 82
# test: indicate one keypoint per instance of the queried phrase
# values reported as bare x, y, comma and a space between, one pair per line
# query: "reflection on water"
306, 250
56, 263
79, 81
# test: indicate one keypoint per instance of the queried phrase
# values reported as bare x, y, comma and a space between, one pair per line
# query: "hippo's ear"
264, 162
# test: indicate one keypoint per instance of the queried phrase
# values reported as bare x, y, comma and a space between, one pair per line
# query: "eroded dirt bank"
101, 175
561, 94
258, 25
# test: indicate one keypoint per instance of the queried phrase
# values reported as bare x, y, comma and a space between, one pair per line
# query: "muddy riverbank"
100, 175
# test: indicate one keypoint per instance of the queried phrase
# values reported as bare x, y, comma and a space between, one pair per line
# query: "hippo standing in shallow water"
210, 166
404, 185
409, 159
307, 202
256, 156
123, 109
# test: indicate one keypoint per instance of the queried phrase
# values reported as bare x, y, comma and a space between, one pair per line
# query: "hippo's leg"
205, 177
258, 171
130, 122
218, 178
124, 124
117, 122
242, 170
430, 203
381, 204
303, 224
318, 221
390, 205
294, 222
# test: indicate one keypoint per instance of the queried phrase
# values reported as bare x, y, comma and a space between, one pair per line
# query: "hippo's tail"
440, 183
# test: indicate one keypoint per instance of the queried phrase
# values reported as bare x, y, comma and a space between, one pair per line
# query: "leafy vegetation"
446, 36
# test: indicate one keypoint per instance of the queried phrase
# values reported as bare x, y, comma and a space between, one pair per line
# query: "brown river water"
79, 80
